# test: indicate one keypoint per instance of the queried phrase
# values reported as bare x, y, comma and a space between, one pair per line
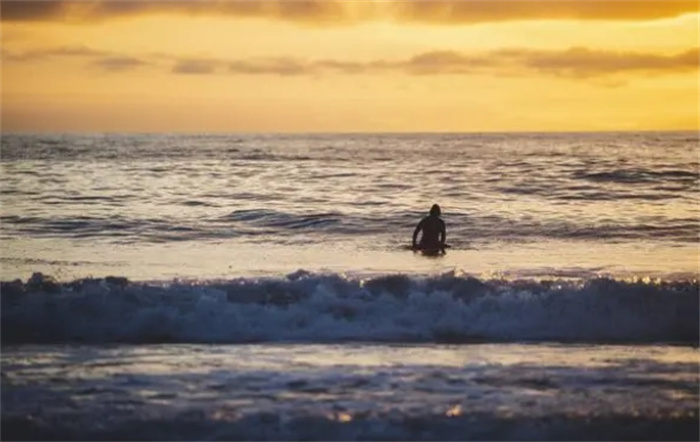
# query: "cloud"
195, 66
254, 66
90, 11
102, 59
583, 62
119, 64
572, 63
575, 62
64, 51
446, 62
339, 12
277, 66
31, 10
456, 12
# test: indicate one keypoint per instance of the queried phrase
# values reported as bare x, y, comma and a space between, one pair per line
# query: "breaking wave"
306, 307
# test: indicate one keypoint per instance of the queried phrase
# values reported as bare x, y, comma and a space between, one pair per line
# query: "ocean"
262, 287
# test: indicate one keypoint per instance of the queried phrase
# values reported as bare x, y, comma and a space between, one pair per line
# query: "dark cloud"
327, 12
88, 11
31, 10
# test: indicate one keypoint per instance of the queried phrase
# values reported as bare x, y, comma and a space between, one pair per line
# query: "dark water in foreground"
350, 392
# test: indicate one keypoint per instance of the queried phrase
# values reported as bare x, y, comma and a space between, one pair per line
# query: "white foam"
331, 308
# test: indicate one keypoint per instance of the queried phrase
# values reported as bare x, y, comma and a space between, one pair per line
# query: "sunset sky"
358, 66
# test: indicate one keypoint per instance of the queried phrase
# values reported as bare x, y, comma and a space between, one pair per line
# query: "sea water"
260, 286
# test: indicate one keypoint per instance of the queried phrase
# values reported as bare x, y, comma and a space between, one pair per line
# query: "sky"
349, 66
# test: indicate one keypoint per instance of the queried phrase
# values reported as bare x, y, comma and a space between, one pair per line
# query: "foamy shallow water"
350, 392
327, 308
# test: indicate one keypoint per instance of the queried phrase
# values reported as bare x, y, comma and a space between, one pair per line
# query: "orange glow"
348, 66
454, 411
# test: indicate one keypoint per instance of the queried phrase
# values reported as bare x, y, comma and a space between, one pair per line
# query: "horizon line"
256, 133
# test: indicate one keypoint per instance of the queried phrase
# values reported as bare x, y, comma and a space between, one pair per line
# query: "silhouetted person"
433, 227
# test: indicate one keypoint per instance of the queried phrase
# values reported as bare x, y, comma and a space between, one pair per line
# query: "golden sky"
349, 66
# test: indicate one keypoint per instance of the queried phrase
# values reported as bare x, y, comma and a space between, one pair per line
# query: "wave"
637, 175
307, 307
280, 220
285, 227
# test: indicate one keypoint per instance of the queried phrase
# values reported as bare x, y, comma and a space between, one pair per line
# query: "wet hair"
435, 210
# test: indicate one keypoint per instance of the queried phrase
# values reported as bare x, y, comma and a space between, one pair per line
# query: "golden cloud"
575, 62
480, 11
329, 12
90, 11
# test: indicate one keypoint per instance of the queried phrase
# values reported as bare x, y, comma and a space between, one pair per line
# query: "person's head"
435, 210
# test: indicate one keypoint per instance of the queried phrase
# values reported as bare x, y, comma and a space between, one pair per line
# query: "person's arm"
415, 233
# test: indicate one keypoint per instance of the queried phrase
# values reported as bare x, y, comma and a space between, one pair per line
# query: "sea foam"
307, 307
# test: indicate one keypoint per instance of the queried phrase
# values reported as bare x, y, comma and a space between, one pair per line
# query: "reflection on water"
376, 388
160, 206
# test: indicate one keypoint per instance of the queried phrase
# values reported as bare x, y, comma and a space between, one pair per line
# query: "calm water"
261, 287
164, 206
